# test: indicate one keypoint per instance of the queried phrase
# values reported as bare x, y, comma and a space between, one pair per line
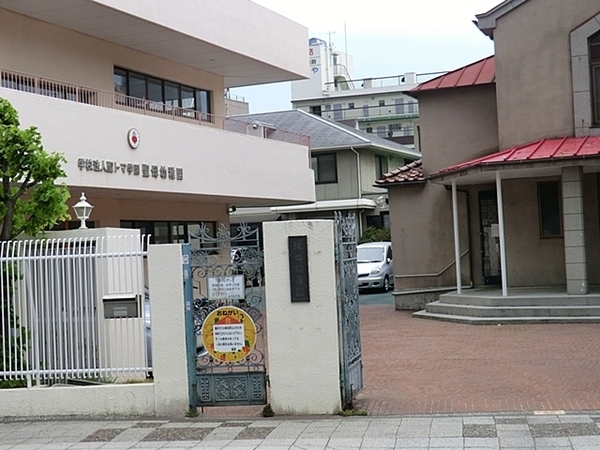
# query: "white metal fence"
73, 308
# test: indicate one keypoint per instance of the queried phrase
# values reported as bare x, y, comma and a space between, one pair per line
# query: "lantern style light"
83, 210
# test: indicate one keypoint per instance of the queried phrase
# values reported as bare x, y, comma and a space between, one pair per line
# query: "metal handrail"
431, 274
113, 100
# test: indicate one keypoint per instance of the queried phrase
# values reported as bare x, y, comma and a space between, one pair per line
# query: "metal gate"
229, 258
349, 323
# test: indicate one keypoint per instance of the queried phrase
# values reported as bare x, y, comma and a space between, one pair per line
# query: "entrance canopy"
541, 158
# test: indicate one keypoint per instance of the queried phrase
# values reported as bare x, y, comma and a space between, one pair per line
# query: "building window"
595, 71
316, 110
549, 209
399, 104
350, 105
381, 102
412, 107
381, 131
170, 232
369, 130
381, 166
163, 95
325, 168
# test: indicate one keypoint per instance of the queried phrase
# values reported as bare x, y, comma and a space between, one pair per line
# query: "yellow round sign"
228, 334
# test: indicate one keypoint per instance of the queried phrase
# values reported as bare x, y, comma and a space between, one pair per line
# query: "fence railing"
73, 308
114, 100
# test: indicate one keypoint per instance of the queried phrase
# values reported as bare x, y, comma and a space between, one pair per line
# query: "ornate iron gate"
229, 259
349, 323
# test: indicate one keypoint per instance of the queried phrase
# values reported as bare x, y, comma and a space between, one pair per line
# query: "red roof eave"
478, 73
538, 151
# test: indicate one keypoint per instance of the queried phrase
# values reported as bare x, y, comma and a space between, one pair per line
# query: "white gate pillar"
303, 341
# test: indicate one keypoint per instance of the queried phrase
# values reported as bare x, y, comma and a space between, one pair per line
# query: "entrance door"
490, 237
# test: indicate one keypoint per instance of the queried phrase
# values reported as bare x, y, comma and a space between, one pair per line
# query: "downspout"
469, 231
359, 189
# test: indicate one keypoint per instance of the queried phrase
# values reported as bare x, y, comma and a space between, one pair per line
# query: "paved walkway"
416, 366
523, 432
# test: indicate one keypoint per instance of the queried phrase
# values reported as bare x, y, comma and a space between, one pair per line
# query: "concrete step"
512, 311
521, 300
503, 320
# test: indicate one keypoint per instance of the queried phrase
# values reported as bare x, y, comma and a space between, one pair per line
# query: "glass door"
490, 237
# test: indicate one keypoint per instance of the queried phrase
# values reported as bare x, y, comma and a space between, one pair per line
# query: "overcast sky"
385, 37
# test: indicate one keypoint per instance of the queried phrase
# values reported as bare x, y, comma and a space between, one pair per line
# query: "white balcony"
182, 154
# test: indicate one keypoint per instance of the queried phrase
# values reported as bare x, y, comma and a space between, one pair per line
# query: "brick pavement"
416, 366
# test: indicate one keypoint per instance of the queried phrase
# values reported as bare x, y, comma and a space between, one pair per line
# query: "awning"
327, 205
540, 158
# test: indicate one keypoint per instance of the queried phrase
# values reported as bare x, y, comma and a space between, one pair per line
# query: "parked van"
375, 266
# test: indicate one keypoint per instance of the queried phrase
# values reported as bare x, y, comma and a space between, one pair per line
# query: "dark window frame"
550, 209
594, 56
204, 108
315, 166
381, 166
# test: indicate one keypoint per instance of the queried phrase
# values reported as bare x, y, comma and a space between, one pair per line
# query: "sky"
385, 38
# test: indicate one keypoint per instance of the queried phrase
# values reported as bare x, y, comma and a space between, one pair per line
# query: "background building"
379, 105
132, 93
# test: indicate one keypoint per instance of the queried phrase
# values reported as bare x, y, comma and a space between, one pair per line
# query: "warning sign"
228, 334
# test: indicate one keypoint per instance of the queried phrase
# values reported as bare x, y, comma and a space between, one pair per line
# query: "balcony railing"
113, 100
407, 79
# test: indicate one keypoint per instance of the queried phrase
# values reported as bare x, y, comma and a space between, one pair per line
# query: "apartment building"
379, 104
132, 93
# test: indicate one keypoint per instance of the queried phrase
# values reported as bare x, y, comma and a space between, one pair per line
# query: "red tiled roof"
410, 173
477, 73
546, 149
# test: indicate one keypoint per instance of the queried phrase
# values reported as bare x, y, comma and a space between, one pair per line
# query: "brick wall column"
573, 220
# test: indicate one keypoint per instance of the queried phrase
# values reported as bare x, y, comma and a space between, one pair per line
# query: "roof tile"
409, 173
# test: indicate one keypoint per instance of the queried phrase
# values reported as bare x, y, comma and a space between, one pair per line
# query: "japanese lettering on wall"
298, 254
131, 169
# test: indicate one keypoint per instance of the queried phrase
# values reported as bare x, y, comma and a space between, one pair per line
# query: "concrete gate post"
302, 337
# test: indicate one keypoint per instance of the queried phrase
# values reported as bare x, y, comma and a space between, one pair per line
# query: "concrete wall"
207, 156
536, 261
457, 125
109, 209
423, 240
167, 395
533, 69
304, 365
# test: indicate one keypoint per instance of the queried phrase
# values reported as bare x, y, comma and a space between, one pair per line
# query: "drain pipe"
469, 231
359, 189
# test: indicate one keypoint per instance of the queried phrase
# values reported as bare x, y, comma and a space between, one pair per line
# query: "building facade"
509, 188
133, 95
346, 162
379, 105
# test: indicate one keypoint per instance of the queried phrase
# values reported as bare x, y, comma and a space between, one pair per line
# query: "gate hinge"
336, 253
267, 380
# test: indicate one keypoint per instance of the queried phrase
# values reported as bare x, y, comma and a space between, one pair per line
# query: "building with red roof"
506, 197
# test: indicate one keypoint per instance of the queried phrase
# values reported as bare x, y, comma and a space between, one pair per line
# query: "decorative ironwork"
348, 315
229, 253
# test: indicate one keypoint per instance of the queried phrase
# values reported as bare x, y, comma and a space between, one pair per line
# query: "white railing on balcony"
73, 309
113, 100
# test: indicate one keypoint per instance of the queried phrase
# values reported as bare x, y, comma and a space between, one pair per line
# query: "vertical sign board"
298, 252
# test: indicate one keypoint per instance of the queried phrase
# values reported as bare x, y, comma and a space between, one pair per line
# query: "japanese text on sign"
133, 169
228, 338
226, 287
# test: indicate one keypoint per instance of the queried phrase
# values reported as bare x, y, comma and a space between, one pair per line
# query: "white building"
132, 93
377, 104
